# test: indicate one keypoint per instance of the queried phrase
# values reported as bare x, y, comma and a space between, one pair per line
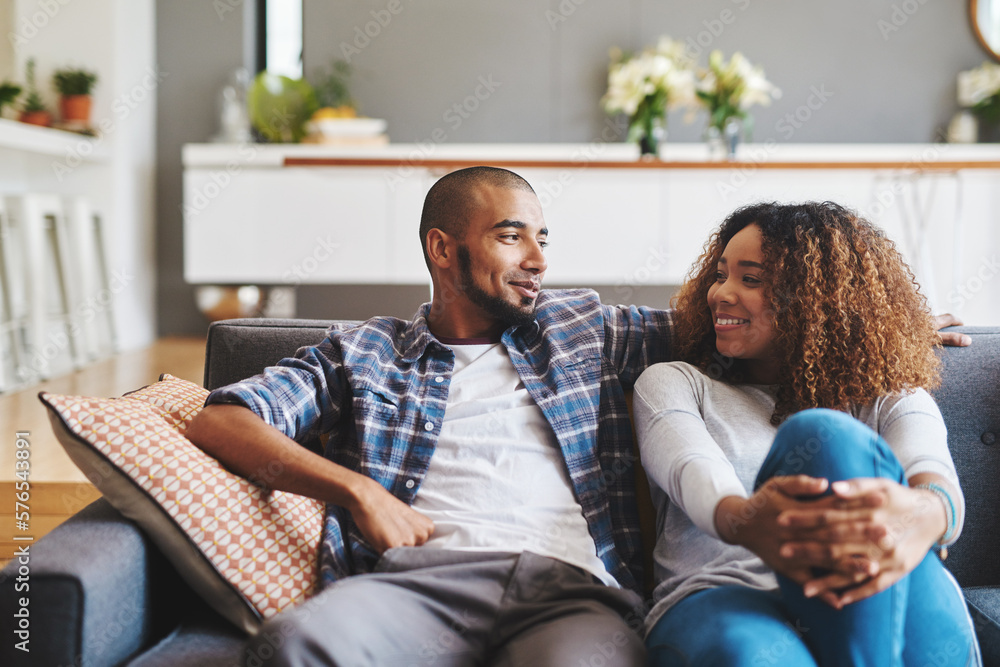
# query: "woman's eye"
720, 277
752, 280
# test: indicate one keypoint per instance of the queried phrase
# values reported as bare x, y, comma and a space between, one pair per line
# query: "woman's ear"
440, 248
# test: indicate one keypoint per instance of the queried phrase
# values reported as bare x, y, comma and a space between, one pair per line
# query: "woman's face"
740, 308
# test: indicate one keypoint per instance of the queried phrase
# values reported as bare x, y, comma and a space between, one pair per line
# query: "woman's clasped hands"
844, 546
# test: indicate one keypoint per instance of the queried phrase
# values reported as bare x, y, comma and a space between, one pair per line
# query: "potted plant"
74, 87
34, 111
8, 93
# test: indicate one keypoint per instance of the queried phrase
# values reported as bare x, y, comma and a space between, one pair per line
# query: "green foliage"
8, 93
988, 110
279, 107
331, 88
33, 102
70, 81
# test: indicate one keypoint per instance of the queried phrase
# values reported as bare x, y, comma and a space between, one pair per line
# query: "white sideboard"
289, 215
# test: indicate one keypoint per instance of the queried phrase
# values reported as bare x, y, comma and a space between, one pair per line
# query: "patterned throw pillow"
250, 553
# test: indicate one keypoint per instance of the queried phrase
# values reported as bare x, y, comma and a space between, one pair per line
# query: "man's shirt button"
429, 426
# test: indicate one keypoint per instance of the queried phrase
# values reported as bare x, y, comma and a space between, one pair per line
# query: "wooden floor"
58, 488
22, 411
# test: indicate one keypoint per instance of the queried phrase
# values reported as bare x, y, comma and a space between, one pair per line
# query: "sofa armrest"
984, 606
86, 590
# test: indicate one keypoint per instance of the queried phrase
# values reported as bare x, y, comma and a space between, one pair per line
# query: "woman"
812, 543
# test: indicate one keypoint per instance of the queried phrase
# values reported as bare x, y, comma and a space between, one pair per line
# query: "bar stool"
45, 274
95, 312
11, 328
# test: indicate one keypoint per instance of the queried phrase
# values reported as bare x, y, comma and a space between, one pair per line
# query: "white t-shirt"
497, 480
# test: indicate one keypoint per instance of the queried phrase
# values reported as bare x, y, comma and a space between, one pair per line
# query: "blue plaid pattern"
375, 391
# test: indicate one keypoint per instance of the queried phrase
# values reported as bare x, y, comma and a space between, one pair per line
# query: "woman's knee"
730, 625
829, 444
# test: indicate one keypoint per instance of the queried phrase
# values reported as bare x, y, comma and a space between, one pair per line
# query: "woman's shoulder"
671, 371
890, 407
670, 380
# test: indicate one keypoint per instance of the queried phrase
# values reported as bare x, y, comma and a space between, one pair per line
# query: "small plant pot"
43, 118
75, 108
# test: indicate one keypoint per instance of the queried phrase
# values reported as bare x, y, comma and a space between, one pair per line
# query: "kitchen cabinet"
288, 215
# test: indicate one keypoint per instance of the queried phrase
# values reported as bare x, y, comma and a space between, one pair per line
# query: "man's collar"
418, 336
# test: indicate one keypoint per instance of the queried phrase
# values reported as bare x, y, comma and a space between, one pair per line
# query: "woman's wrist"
947, 523
730, 519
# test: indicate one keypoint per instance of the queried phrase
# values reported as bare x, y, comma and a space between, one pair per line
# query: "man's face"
500, 260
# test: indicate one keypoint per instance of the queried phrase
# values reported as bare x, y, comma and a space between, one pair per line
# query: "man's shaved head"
451, 201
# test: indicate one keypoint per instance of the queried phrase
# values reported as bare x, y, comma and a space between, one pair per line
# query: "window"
279, 37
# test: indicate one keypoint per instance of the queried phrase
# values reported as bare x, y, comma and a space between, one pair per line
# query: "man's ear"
440, 248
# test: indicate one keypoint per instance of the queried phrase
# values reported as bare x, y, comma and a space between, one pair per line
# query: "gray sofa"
101, 594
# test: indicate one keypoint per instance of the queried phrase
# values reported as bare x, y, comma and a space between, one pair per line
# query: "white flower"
739, 81
662, 69
978, 84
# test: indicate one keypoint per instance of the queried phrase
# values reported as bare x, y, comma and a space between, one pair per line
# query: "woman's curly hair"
850, 324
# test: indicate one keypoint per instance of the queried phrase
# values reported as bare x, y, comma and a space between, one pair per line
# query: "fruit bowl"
348, 127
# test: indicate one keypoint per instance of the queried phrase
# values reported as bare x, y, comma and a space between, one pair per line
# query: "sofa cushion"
249, 552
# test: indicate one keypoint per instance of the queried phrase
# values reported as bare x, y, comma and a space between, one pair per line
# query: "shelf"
18, 136
908, 157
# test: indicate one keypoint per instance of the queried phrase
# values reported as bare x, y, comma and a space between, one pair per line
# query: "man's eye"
509, 237
544, 244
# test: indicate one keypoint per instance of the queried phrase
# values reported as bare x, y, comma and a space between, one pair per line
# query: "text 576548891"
22, 555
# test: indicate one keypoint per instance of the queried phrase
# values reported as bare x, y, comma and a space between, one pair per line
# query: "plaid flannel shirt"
379, 391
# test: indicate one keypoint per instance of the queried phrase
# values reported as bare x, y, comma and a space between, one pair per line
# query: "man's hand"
877, 522
243, 443
951, 338
385, 520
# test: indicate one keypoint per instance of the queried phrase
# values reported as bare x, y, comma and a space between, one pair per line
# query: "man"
492, 430
478, 473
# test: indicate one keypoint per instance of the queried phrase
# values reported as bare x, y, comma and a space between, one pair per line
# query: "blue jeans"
735, 625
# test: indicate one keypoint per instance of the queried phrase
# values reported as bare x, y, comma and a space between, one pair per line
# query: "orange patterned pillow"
250, 553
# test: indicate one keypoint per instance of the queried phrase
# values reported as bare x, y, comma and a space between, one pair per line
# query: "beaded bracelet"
950, 515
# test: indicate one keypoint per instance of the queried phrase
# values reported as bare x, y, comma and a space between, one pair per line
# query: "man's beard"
503, 310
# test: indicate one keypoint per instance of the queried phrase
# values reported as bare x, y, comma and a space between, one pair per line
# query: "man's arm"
636, 337
246, 445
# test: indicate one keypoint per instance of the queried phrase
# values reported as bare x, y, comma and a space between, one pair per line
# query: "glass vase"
732, 134
651, 134
713, 141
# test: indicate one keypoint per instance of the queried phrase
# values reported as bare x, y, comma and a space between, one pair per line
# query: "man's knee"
289, 640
